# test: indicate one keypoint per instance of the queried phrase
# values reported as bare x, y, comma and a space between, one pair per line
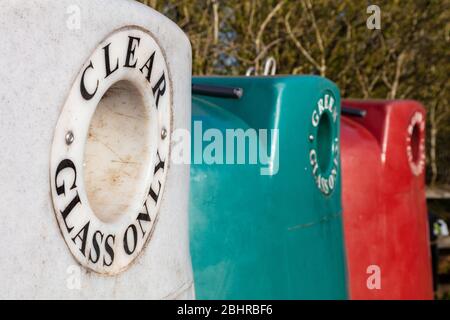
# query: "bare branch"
298, 44
398, 72
309, 9
215, 5
266, 21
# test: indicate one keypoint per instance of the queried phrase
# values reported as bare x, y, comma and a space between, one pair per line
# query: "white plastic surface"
43, 54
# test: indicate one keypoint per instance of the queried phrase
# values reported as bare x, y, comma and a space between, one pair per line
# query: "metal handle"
217, 91
353, 112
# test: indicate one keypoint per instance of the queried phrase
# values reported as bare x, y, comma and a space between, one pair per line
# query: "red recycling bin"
383, 194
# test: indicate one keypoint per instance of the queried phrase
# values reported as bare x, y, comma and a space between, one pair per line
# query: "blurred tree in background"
407, 58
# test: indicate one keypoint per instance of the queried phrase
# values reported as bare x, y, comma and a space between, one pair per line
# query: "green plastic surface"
274, 236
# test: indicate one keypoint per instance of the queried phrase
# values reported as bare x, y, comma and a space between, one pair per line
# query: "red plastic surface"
385, 214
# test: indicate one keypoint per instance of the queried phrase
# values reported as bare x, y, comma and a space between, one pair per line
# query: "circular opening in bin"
324, 142
116, 156
415, 143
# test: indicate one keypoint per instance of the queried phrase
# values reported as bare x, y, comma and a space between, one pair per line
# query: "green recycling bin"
265, 200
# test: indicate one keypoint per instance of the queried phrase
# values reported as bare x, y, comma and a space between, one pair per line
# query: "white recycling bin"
91, 92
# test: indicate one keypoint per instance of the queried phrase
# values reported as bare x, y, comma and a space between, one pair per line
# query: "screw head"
69, 138
163, 133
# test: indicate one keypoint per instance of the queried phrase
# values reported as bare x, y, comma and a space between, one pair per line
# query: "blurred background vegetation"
407, 58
